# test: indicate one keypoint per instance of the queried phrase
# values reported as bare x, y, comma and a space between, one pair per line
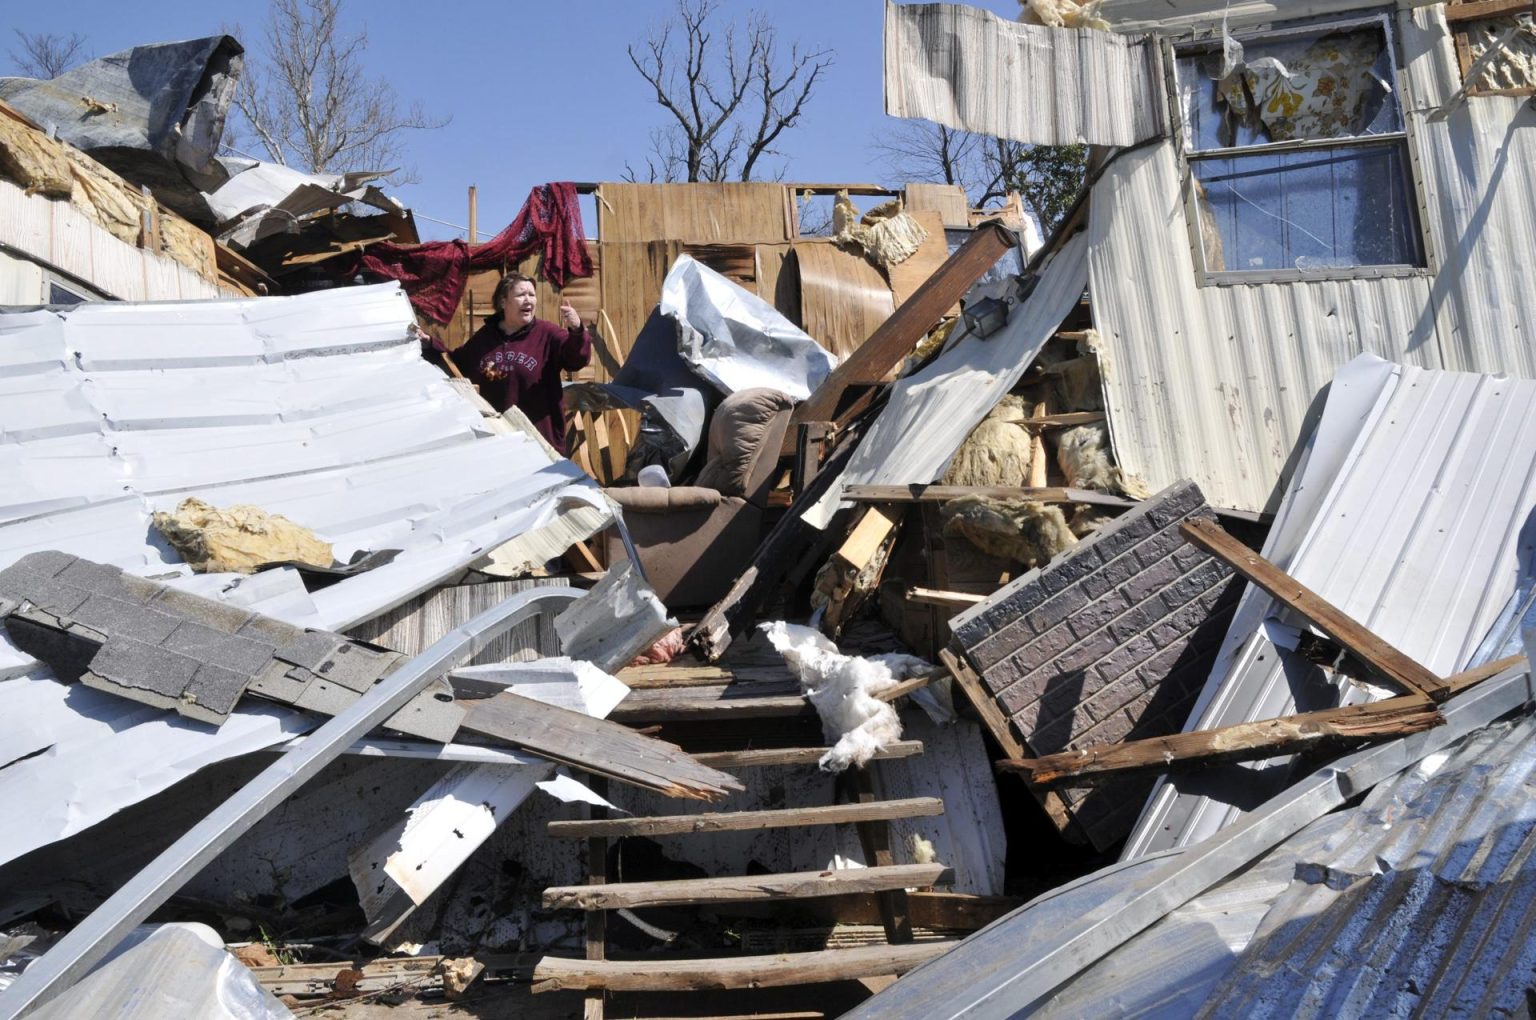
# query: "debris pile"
917, 602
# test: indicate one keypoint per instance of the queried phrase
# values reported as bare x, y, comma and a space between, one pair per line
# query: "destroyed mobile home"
1134, 621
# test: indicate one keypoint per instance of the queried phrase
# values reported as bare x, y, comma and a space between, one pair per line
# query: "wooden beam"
765, 756
1456, 14
898, 335
945, 493
737, 821
799, 885
597, 746
1251, 741
858, 786
555, 974
904, 687
1375, 653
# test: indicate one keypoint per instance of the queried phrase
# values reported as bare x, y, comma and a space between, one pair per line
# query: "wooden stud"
875, 837
738, 821
597, 920
766, 756
776, 971
1375, 653
747, 888
945, 493
953, 600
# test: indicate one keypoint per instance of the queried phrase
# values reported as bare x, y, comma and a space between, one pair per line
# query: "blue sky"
537, 91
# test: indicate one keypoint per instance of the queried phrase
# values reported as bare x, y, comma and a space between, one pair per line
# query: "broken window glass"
1311, 209
1270, 192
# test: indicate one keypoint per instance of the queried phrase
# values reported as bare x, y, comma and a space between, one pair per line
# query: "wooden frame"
1459, 14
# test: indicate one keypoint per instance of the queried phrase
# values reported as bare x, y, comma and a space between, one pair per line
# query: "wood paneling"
948, 200
843, 298
700, 213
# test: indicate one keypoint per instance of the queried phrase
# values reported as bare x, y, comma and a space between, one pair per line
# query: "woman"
516, 359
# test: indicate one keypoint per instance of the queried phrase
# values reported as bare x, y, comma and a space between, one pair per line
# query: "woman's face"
518, 309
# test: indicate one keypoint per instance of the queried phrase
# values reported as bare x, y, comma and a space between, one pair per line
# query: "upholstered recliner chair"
693, 540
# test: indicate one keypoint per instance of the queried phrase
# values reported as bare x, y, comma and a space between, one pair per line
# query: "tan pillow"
736, 438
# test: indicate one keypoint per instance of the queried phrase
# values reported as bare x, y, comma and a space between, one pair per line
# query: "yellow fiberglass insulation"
887, 234
997, 452
1030, 533
1063, 13
239, 539
1082, 453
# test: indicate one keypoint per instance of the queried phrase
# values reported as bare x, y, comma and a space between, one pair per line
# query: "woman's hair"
504, 287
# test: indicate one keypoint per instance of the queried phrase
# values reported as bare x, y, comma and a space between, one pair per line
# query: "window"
58, 294
1297, 153
1497, 38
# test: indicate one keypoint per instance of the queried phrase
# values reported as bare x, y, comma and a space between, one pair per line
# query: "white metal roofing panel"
1166, 16
1411, 516
317, 407
930, 412
968, 68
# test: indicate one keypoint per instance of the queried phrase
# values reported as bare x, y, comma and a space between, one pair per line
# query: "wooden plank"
1039, 463
765, 756
799, 885
734, 821
956, 600
875, 837
1253, 741
874, 527
776, 971
843, 297
1458, 13
734, 701
878, 356
1250, 741
597, 746
597, 920
945, 493
1367, 647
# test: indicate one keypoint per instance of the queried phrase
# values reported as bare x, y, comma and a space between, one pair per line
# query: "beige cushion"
736, 438
658, 499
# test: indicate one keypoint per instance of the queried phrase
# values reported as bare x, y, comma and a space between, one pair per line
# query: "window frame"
1174, 49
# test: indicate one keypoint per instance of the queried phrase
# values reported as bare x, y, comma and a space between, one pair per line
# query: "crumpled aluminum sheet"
735, 339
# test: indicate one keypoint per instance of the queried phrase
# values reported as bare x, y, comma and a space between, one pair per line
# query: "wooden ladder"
859, 806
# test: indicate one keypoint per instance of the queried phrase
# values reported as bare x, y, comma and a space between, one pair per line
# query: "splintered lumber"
1064, 420
798, 885
1250, 741
867, 537
1371, 650
763, 756
1380, 720
735, 821
956, 600
944, 493
597, 746
898, 335
553, 974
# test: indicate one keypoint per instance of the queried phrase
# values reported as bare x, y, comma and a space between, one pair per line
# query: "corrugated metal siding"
968, 68
1418, 902
1215, 383
1421, 508
1479, 170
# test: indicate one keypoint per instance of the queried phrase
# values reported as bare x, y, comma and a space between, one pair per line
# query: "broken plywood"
699, 213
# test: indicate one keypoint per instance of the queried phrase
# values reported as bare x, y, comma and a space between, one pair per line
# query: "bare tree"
730, 98
45, 55
1046, 177
309, 102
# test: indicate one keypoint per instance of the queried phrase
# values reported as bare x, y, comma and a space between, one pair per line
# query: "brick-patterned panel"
1110, 641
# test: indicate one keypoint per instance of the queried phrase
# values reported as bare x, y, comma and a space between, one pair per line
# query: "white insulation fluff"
841, 688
